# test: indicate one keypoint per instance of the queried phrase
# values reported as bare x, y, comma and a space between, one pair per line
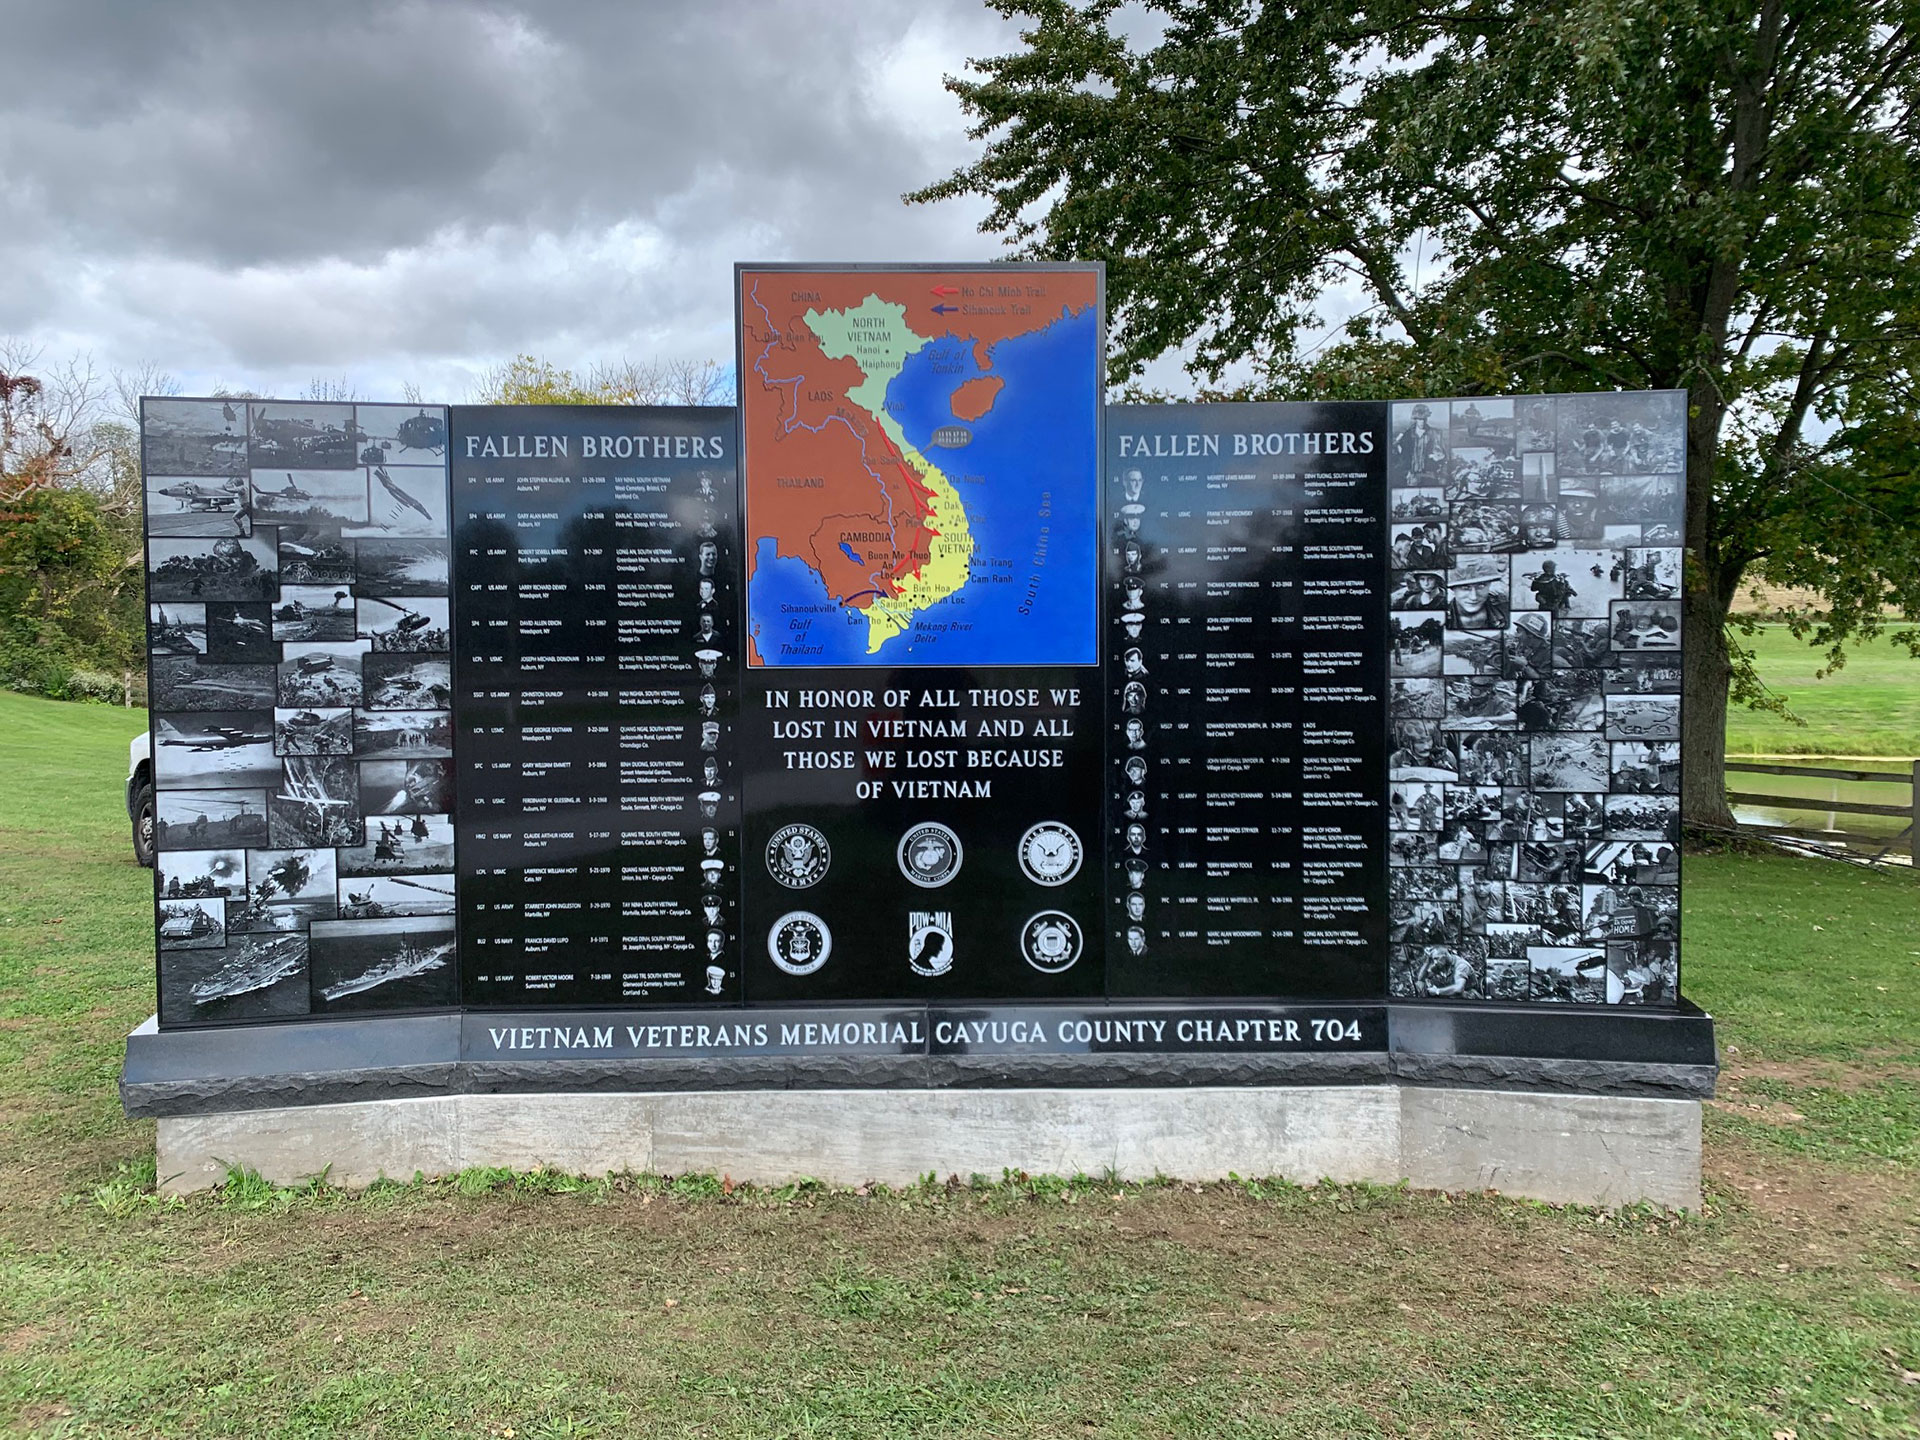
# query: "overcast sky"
257, 194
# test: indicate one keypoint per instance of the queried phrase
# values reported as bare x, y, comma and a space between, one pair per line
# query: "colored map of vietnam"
920, 466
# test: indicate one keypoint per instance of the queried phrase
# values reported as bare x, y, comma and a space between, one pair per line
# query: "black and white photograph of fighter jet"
198, 505
312, 497
404, 500
229, 749
194, 437
191, 684
241, 632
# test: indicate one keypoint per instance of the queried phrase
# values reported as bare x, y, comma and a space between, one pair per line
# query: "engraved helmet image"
799, 942
716, 978
1133, 697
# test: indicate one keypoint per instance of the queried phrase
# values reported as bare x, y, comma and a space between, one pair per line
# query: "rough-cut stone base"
1590, 1149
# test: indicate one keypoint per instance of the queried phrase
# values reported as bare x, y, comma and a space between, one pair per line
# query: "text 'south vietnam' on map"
920, 461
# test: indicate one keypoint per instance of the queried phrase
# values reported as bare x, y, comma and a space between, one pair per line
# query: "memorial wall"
922, 694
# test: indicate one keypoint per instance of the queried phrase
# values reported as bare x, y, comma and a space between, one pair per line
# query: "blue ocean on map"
1030, 482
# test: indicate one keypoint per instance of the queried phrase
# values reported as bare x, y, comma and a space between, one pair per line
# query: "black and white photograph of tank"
403, 734
215, 748
181, 683
315, 555
317, 803
200, 874
303, 436
389, 964
311, 497
402, 566
198, 924
406, 682
322, 674
400, 845
194, 437
199, 505
391, 625
198, 819
224, 568
404, 500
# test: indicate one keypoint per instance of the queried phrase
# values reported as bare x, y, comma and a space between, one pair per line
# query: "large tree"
1706, 195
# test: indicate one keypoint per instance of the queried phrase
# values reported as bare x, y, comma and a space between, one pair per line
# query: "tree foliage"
526, 380
1709, 195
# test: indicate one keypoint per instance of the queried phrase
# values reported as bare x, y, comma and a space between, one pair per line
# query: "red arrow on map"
946, 290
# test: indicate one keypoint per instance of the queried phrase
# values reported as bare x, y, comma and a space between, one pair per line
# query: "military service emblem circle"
799, 942
798, 856
1051, 941
930, 854
1050, 853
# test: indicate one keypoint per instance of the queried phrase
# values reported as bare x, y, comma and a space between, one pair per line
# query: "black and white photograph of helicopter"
410, 624
402, 434
401, 845
199, 505
315, 497
304, 436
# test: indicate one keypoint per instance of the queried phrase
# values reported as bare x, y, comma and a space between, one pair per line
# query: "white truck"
140, 795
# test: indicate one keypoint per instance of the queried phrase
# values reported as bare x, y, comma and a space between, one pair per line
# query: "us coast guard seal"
799, 942
929, 854
798, 856
1050, 853
1051, 941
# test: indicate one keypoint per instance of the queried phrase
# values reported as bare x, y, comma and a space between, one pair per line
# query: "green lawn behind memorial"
538, 1306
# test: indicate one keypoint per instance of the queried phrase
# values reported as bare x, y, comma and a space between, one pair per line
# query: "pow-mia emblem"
1051, 941
1050, 853
799, 942
930, 854
798, 856
930, 941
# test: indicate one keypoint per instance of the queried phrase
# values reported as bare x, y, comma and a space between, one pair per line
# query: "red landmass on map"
818, 473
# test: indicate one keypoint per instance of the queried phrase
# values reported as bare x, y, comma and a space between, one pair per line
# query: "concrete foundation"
1587, 1149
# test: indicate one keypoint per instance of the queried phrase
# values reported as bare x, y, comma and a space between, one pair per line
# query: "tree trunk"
1705, 671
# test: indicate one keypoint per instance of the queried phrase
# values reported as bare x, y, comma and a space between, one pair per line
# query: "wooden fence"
1908, 810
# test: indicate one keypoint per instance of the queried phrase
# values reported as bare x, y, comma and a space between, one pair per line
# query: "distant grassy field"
1869, 707
498, 1305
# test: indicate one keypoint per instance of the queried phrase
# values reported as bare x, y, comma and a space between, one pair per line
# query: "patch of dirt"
1824, 1073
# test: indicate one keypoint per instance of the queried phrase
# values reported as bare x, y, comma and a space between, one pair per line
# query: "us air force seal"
930, 941
799, 942
1051, 941
1050, 853
929, 854
798, 856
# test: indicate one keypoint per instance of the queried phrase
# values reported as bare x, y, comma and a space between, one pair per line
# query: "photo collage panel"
298, 560
1534, 691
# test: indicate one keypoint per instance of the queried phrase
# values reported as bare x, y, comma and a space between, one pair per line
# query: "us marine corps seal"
929, 854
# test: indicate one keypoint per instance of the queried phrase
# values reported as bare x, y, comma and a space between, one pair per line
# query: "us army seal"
798, 856
799, 942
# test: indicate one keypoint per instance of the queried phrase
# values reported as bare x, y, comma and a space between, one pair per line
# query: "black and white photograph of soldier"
1642, 500
1420, 752
1643, 675
1527, 658
1490, 759
1647, 768
1482, 899
1418, 590
402, 434
376, 897
404, 566
1629, 912
401, 845
227, 568
1429, 502
1622, 434
1461, 844
1509, 939
214, 749
1483, 527
1417, 449
194, 437
1641, 626
406, 682
199, 505
200, 874
1482, 474
1415, 699
1473, 652
322, 674
1484, 422
1549, 862
403, 500
1569, 974
197, 819
1418, 545
193, 924
255, 977
1477, 593
403, 734
177, 629
1631, 862
317, 803
1413, 847
1538, 428
1473, 806
1643, 817
303, 731
323, 498
1643, 717
1539, 527
1585, 816
391, 625
1415, 640
1426, 882
1569, 762
300, 436
1435, 972
1576, 510
1572, 700
310, 614
1415, 805
1582, 644
1650, 574
1133, 697
1572, 582
240, 633
1643, 972
406, 787
1482, 702
194, 684
1507, 979
314, 555
1422, 922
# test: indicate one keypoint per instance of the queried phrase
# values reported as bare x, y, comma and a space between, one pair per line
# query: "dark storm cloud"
277, 184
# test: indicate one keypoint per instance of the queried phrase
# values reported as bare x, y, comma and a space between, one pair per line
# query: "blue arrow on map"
946, 309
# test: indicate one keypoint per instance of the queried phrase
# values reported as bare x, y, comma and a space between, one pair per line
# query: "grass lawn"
540, 1306
1871, 706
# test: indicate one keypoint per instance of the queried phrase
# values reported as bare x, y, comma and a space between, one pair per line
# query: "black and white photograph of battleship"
255, 977
392, 964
